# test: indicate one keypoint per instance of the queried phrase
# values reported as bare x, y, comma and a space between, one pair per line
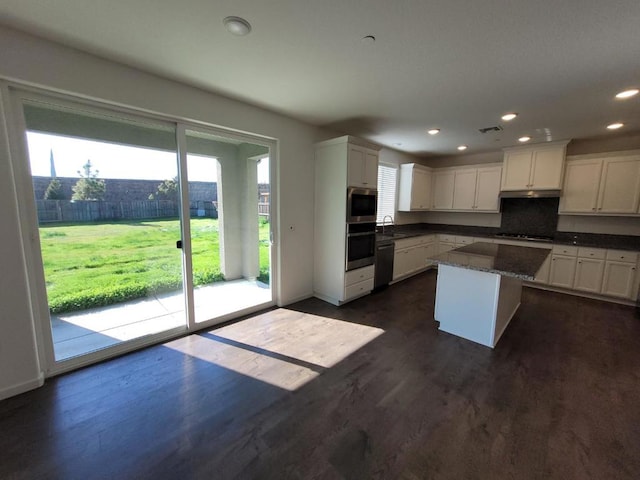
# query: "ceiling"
454, 65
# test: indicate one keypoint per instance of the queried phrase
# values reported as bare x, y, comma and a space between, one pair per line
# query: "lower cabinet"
619, 278
598, 271
358, 282
589, 270
563, 270
411, 255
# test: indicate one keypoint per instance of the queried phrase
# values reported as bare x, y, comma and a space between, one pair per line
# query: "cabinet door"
443, 190
542, 276
580, 193
445, 247
547, 168
619, 279
420, 190
563, 269
488, 189
589, 275
620, 185
362, 167
401, 263
517, 170
464, 189
370, 175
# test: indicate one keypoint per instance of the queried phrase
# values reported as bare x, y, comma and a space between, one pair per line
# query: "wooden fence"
52, 211
93, 211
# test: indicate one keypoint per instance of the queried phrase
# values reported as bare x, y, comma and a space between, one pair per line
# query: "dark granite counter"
508, 260
595, 240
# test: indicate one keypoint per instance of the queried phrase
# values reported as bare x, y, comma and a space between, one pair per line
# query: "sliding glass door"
145, 228
229, 223
108, 209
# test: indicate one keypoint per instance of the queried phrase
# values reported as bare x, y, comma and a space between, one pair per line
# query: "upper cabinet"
602, 184
443, 183
362, 167
488, 189
414, 193
467, 189
535, 167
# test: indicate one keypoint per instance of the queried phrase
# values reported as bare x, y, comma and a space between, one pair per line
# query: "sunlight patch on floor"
284, 348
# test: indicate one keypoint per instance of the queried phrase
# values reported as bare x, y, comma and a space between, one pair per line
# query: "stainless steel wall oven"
361, 245
361, 204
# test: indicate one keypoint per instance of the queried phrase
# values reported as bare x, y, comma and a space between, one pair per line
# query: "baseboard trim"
577, 293
22, 387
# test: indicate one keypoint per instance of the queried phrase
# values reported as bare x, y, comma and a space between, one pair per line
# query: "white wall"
31, 60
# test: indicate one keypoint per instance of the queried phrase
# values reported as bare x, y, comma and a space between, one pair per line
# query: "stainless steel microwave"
361, 205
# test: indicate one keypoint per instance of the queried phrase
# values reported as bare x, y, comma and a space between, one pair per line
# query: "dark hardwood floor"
368, 390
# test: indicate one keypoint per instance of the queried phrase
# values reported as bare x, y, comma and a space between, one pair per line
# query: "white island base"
475, 305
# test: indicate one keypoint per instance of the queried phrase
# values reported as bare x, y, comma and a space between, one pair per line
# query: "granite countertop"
616, 242
508, 260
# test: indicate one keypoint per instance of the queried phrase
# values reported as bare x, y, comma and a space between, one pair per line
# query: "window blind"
387, 180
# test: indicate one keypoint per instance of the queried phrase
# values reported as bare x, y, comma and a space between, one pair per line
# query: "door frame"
13, 96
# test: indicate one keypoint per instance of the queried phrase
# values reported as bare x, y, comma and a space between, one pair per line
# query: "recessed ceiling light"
615, 126
524, 139
628, 93
433, 131
398, 144
462, 147
237, 26
507, 117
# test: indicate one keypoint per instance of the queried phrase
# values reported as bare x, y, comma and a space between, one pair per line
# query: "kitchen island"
480, 286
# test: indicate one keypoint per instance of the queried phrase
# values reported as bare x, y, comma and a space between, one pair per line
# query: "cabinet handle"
593, 208
580, 261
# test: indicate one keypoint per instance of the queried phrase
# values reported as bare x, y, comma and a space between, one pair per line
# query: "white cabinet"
596, 185
581, 183
542, 275
358, 282
411, 255
589, 270
414, 192
362, 167
443, 184
464, 189
467, 189
620, 185
339, 163
538, 167
620, 274
563, 266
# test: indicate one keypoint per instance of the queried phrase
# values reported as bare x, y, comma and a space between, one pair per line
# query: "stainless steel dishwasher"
384, 263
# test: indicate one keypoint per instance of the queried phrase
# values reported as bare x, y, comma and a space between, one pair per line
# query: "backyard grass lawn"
97, 264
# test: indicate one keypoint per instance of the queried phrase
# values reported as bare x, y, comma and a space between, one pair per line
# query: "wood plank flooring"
365, 391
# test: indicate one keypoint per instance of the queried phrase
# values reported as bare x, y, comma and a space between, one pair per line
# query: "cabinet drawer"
359, 275
622, 256
565, 250
358, 289
447, 238
598, 253
406, 243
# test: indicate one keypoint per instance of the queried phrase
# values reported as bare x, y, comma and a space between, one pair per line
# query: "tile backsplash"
530, 216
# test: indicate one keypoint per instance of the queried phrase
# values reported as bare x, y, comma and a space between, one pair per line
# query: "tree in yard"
167, 190
54, 191
89, 187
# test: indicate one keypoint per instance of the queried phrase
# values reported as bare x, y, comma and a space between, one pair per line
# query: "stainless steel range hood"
531, 194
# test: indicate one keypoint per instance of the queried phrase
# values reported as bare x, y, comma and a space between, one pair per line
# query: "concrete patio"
82, 332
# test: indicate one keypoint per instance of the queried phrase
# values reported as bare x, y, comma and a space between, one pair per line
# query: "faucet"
384, 219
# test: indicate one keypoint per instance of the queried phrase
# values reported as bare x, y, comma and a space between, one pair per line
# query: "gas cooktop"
525, 236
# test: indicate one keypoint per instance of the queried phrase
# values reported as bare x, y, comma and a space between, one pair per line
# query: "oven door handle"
361, 234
